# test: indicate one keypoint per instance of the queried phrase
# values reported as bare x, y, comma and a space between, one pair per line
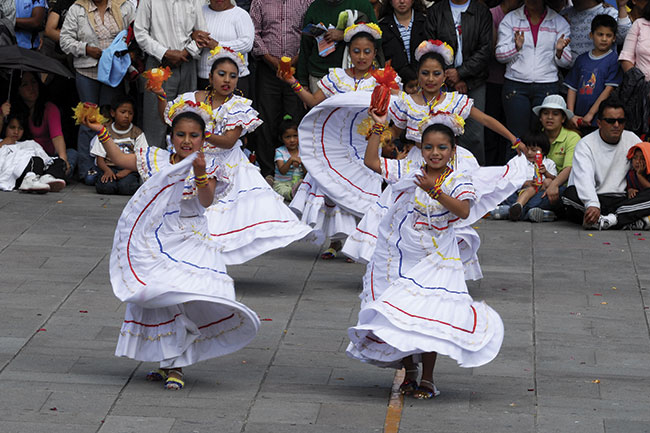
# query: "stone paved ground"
576, 354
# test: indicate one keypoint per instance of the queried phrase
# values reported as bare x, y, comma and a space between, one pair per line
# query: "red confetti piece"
83, 311
505, 290
642, 239
637, 234
645, 308
42, 330
606, 243
531, 389
53, 408
266, 320
598, 294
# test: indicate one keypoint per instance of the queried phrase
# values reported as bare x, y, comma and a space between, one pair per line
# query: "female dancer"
181, 306
415, 303
407, 112
316, 208
251, 219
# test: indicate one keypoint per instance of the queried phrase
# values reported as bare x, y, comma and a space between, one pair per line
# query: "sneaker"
607, 221
31, 183
500, 213
640, 224
539, 215
55, 184
515, 212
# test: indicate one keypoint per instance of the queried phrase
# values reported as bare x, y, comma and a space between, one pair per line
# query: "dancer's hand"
378, 119
199, 164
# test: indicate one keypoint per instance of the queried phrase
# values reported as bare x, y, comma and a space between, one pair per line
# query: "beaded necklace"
354, 77
434, 102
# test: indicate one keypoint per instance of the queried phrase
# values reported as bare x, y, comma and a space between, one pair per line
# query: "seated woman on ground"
24, 164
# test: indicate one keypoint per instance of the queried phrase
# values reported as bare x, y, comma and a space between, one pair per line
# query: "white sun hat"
555, 102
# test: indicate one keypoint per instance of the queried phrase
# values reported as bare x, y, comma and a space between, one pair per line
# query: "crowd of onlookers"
542, 67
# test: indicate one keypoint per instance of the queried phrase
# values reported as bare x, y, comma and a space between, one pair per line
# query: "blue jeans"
536, 201
128, 185
518, 102
91, 91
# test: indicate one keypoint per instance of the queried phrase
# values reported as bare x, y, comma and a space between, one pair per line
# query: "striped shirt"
278, 24
405, 34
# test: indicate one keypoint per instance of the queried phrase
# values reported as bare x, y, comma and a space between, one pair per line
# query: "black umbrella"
14, 57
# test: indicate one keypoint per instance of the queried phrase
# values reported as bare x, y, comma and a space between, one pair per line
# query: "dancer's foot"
174, 380
426, 391
157, 375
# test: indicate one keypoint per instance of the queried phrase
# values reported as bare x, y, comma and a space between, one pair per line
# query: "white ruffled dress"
332, 198
492, 184
250, 219
181, 306
414, 298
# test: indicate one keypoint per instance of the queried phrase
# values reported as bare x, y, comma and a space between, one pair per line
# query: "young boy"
111, 179
594, 74
517, 205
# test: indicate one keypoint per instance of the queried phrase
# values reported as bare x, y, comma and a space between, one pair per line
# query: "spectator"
532, 43
522, 203
89, 28
163, 30
228, 26
30, 19
466, 25
23, 163
311, 66
636, 49
376, 6
277, 34
636, 8
638, 177
554, 118
583, 12
110, 178
495, 149
635, 62
402, 24
8, 12
594, 74
55, 19
44, 123
409, 77
289, 170
596, 196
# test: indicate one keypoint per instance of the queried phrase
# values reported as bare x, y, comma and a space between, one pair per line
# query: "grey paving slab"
575, 355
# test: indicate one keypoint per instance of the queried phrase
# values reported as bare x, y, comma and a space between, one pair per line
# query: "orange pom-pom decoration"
156, 77
284, 67
385, 79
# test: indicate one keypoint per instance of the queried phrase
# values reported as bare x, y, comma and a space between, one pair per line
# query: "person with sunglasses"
596, 196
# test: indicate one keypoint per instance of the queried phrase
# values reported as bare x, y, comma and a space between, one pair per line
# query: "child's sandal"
157, 375
426, 391
175, 383
408, 387
328, 254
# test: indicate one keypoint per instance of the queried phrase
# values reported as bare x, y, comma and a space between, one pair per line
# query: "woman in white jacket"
89, 27
532, 42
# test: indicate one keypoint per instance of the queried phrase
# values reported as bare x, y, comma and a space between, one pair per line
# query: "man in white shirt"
596, 196
163, 29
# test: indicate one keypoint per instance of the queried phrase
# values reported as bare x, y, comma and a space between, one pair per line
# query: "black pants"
274, 99
37, 166
627, 210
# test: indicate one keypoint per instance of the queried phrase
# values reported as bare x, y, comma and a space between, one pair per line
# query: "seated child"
24, 164
594, 74
638, 178
516, 206
110, 178
289, 170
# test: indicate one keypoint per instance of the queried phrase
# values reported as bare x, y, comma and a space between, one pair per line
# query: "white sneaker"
55, 184
500, 212
607, 221
32, 183
539, 215
640, 224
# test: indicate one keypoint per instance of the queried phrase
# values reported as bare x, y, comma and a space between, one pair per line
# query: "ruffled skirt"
165, 265
251, 218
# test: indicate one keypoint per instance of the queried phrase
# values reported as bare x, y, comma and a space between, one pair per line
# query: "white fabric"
232, 28
251, 218
532, 64
599, 167
15, 157
162, 25
415, 299
164, 263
